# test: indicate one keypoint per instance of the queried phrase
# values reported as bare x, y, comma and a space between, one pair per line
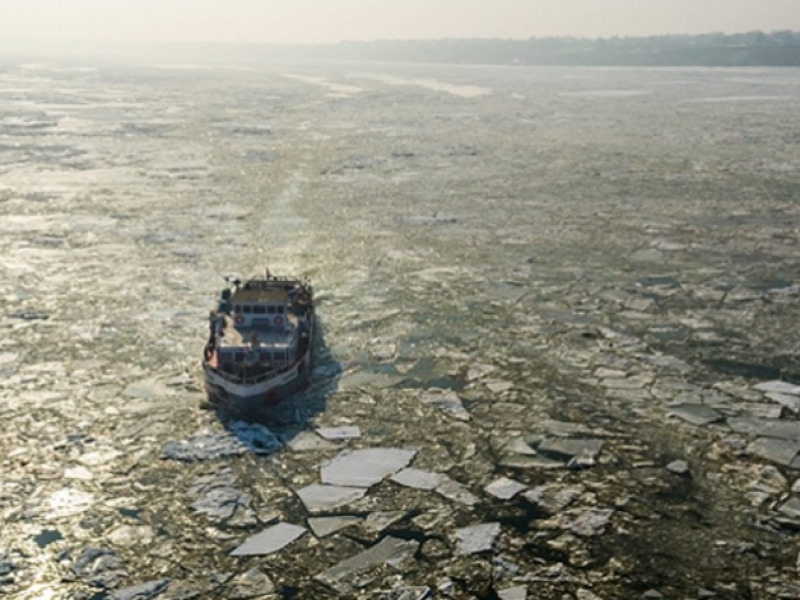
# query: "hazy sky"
335, 20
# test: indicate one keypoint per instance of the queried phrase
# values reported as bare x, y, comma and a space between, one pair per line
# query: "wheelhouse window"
247, 309
271, 310
259, 310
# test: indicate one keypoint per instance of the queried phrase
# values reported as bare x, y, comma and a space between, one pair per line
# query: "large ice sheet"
318, 498
477, 538
504, 488
390, 550
324, 526
365, 467
270, 540
421, 480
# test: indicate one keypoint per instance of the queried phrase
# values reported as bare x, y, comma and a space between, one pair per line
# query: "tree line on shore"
757, 48
751, 49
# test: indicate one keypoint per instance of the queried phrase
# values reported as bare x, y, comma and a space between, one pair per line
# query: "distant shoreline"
752, 49
707, 50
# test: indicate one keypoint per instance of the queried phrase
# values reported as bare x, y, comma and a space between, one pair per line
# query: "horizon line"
33, 41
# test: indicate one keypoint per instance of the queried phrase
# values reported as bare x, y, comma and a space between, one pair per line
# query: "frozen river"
560, 313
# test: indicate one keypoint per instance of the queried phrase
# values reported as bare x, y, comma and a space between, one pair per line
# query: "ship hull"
250, 398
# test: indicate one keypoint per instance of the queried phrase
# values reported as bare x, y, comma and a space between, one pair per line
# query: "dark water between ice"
601, 263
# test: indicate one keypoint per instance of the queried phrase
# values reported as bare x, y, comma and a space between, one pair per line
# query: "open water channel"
559, 350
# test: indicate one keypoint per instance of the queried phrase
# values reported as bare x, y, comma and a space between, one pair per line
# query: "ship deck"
237, 336
268, 294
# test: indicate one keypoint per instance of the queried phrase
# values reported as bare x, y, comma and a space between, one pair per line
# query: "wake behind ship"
259, 348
